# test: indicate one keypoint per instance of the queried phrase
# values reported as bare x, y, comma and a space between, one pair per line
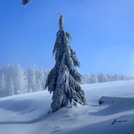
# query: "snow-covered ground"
28, 113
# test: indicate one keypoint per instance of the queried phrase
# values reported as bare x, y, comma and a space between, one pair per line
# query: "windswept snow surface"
28, 113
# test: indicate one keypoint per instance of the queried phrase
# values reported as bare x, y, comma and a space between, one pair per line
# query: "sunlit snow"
28, 113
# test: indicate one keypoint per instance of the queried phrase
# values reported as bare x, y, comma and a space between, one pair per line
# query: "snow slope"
28, 113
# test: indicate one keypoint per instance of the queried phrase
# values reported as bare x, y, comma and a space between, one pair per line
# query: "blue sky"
102, 32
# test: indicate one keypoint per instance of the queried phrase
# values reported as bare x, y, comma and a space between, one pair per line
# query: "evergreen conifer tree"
24, 2
63, 80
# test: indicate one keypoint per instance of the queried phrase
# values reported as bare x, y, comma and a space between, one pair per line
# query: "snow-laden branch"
24, 2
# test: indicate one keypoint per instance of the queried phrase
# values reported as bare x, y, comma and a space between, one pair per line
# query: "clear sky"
102, 32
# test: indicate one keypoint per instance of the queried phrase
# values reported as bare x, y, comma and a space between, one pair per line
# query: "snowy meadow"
29, 113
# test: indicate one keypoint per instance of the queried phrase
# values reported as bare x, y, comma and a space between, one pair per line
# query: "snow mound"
116, 104
25, 106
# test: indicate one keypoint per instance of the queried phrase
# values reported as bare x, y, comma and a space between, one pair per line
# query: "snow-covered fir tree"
11, 87
19, 79
32, 86
2, 85
24, 2
94, 78
63, 80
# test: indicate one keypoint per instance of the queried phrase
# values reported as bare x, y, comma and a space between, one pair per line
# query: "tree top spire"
61, 20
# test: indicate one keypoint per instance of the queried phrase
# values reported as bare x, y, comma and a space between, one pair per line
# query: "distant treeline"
101, 77
16, 80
